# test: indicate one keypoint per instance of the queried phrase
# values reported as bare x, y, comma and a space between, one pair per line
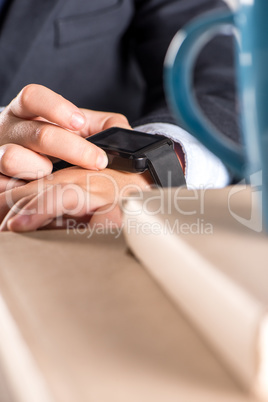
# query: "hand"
39, 124
7, 184
72, 193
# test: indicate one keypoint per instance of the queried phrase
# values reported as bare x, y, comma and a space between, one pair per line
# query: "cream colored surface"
98, 328
218, 278
5, 395
263, 372
28, 384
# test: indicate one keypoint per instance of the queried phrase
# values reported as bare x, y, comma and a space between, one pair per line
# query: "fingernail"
102, 161
77, 120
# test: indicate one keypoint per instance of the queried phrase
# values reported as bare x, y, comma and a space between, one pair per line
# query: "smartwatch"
135, 152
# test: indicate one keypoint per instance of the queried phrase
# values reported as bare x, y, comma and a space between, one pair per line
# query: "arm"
201, 168
77, 194
153, 28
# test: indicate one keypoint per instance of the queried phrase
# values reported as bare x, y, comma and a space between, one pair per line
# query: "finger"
98, 121
48, 205
11, 196
17, 161
52, 140
15, 210
7, 183
38, 101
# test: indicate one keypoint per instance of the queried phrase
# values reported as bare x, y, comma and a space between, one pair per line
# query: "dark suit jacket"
108, 55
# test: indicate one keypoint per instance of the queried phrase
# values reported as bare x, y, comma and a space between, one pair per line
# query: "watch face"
126, 141
136, 152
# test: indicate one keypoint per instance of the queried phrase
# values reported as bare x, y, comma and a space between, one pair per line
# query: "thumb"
99, 121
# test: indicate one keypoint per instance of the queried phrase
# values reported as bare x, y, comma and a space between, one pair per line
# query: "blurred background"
232, 3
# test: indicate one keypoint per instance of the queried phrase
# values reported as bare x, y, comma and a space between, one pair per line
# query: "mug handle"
178, 77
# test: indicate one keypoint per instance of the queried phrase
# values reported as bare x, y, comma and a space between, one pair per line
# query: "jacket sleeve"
152, 29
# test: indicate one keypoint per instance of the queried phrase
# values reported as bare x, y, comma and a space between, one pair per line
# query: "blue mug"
249, 23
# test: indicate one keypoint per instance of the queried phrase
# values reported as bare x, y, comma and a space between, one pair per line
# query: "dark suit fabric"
108, 55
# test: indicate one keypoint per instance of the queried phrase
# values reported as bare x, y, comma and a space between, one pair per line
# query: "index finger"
38, 101
52, 140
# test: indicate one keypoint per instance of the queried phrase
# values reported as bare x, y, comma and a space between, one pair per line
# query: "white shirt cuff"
202, 168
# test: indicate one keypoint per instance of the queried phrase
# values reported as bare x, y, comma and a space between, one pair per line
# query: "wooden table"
81, 320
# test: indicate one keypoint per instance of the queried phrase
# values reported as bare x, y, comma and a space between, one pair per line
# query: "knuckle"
117, 119
26, 95
122, 117
43, 135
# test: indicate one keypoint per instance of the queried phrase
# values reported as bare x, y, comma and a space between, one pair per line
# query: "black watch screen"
123, 140
135, 152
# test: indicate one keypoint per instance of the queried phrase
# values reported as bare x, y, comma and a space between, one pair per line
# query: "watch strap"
164, 166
